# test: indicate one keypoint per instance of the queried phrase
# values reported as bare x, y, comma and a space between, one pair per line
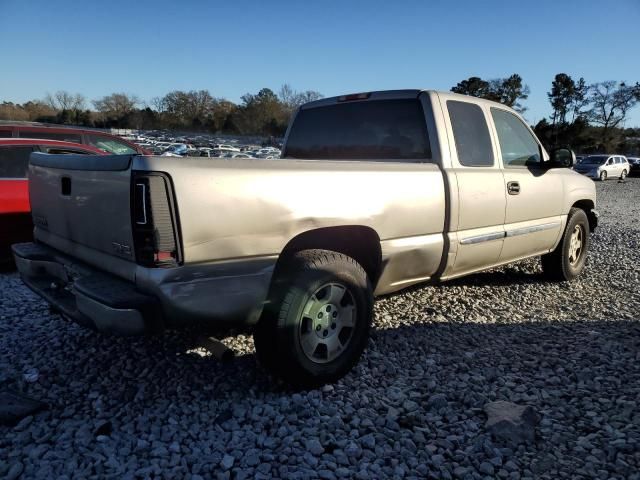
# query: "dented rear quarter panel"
243, 208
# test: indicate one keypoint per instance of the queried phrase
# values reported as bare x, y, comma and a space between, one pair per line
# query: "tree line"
263, 113
586, 117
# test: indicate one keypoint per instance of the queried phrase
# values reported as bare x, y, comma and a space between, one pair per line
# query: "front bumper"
590, 173
91, 298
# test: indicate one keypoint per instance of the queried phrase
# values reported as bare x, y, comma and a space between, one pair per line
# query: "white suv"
604, 166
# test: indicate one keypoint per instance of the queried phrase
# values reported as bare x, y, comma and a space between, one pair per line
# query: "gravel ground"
413, 407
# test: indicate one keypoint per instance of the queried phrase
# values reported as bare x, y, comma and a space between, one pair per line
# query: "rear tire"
603, 175
318, 325
623, 175
567, 261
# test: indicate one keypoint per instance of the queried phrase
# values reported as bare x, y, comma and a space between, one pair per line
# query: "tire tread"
273, 355
555, 264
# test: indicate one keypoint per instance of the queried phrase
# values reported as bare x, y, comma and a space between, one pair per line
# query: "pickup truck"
374, 192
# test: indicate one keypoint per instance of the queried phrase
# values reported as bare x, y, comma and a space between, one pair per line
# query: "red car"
15, 217
94, 138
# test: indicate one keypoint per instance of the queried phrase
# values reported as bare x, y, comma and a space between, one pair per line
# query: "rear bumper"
227, 294
87, 296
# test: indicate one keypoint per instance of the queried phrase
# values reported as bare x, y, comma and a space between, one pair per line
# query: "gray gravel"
412, 408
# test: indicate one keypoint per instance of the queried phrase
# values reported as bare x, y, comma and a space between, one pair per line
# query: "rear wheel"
319, 324
567, 261
623, 175
603, 175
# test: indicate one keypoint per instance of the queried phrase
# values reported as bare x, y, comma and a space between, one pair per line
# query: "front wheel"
318, 325
567, 261
623, 175
603, 175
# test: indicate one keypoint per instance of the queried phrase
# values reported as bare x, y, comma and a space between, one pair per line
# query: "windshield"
110, 145
595, 160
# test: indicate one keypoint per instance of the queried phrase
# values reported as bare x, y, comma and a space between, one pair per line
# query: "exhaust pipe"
218, 349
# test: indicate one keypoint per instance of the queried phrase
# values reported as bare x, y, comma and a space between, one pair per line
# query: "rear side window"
6, 133
110, 145
517, 145
14, 161
393, 130
65, 137
471, 134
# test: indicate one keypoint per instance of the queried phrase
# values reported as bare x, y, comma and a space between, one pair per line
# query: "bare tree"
12, 111
63, 100
292, 99
116, 105
287, 95
188, 108
580, 99
158, 104
610, 103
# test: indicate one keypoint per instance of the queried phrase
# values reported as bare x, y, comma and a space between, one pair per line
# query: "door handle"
513, 188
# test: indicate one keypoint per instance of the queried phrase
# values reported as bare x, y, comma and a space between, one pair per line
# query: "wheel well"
358, 242
587, 206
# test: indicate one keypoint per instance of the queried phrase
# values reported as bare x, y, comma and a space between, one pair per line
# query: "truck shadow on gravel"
582, 378
518, 361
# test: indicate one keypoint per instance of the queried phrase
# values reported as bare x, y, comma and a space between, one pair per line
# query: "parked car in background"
248, 148
94, 138
178, 149
155, 150
602, 167
224, 146
634, 165
236, 155
436, 186
15, 218
266, 153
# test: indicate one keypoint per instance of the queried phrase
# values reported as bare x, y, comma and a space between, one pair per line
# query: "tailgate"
82, 201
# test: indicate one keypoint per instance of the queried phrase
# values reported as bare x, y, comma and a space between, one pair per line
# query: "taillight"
154, 220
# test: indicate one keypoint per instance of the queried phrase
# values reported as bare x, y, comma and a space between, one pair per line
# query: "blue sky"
149, 48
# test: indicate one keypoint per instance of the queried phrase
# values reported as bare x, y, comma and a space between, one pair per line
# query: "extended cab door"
478, 202
533, 219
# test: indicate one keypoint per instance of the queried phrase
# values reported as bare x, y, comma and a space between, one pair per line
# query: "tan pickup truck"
374, 192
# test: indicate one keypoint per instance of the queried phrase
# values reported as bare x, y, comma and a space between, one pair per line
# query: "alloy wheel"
328, 322
576, 245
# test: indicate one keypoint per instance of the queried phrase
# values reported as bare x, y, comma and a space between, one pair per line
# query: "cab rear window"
380, 130
14, 161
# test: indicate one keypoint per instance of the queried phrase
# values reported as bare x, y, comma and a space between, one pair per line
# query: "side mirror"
562, 158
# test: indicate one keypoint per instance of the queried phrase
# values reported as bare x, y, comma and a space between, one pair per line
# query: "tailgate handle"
65, 186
